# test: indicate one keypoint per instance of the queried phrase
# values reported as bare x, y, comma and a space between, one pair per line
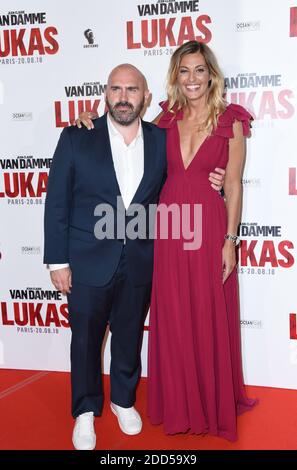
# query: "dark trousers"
124, 307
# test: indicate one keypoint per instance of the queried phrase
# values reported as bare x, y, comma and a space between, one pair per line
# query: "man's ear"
147, 102
147, 96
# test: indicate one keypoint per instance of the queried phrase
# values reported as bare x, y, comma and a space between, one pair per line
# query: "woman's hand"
228, 259
85, 118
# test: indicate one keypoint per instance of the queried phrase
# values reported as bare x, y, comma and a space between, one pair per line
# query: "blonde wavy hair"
215, 101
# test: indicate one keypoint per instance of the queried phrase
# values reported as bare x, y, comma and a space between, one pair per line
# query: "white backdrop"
49, 71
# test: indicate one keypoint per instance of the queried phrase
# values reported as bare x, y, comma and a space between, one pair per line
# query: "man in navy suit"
120, 163
108, 280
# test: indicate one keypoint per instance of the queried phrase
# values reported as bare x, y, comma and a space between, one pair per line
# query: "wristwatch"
234, 238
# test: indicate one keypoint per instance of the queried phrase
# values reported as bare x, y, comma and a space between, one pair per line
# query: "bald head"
126, 93
127, 69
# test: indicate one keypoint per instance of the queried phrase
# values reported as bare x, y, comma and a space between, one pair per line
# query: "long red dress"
194, 364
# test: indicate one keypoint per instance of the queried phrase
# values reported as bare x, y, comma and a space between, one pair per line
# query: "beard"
126, 116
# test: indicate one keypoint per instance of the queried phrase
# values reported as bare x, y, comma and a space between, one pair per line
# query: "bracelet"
234, 238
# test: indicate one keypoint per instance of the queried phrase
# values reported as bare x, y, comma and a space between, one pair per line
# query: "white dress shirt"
128, 161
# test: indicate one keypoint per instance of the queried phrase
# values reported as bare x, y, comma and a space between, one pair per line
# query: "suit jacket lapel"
102, 143
148, 152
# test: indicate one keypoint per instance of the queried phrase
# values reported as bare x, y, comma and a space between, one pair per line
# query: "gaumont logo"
264, 96
293, 22
34, 310
263, 249
166, 24
79, 98
292, 182
89, 36
244, 26
25, 37
23, 180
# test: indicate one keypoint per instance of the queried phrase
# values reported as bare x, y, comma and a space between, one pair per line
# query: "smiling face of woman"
193, 76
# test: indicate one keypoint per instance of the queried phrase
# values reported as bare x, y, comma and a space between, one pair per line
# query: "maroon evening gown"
194, 361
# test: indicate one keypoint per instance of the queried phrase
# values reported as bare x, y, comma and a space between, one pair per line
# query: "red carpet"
34, 410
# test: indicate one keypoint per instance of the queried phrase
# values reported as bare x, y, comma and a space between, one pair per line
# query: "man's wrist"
55, 267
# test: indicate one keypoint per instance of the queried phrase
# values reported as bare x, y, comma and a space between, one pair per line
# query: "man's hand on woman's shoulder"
86, 118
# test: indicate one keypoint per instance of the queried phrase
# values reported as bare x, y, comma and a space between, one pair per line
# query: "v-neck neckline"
180, 150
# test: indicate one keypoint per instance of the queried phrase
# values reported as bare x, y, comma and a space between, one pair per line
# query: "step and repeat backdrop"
55, 58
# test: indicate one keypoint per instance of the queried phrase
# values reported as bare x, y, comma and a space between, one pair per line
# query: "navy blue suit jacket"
82, 175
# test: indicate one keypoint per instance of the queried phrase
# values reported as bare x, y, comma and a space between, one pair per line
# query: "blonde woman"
195, 371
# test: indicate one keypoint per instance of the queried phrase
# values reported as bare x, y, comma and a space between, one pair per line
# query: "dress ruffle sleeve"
234, 112
168, 118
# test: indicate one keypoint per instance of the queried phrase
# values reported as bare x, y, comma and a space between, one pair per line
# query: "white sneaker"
84, 437
128, 418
